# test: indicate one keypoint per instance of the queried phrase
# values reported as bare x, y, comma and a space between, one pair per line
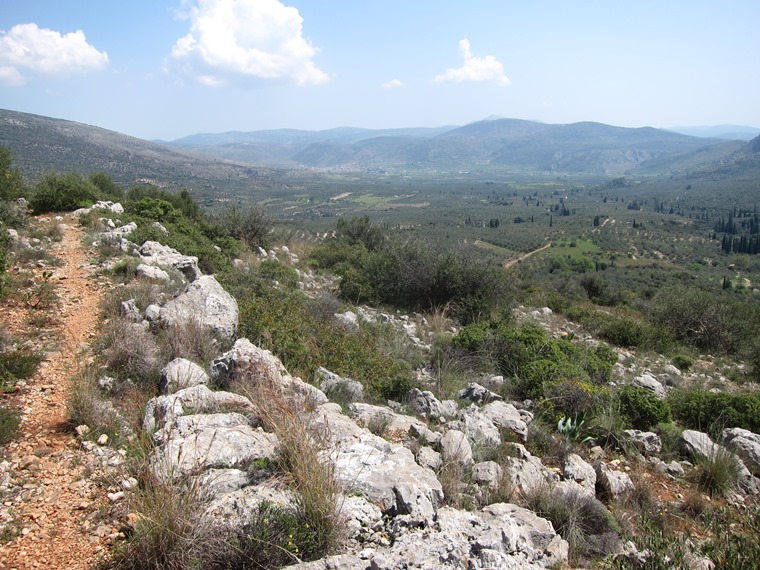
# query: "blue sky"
169, 68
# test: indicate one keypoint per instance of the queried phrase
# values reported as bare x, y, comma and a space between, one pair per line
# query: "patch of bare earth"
54, 505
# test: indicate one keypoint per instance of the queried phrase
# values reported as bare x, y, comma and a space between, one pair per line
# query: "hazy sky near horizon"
163, 69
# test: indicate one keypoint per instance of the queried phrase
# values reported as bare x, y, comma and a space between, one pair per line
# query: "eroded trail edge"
55, 498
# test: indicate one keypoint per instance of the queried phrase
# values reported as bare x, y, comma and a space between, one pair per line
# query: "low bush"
532, 359
710, 412
129, 351
734, 546
169, 532
17, 365
9, 423
642, 408
576, 516
682, 362
313, 528
718, 474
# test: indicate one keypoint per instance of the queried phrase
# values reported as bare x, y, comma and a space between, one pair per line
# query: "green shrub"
9, 422
277, 271
62, 192
706, 411
252, 225
718, 474
17, 365
682, 362
11, 180
642, 408
734, 546
414, 275
532, 359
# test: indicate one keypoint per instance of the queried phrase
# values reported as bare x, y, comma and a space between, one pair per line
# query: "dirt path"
511, 262
55, 505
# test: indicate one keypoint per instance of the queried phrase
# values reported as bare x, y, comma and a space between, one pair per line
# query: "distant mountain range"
215, 164
578, 147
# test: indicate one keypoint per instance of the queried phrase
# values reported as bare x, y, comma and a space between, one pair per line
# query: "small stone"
115, 497
82, 430
129, 484
103, 439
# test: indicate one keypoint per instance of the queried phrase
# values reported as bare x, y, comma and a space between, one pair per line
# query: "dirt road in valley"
511, 262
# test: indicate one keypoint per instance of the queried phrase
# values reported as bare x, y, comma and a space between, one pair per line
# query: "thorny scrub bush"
576, 517
532, 359
169, 532
642, 408
718, 474
310, 474
709, 412
9, 422
17, 365
130, 351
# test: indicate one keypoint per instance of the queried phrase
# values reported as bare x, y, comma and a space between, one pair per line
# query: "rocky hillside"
230, 460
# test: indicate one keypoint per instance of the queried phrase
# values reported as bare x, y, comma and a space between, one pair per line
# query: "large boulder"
578, 470
478, 427
335, 385
746, 445
383, 421
478, 394
195, 443
506, 416
648, 443
425, 404
526, 472
181, 373
701, 447
206, 303
455, 447
612, 484
154, 253
650, 383
245, 358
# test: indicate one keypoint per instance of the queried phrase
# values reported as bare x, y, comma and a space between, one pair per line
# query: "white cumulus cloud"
45, 52
392, 84
486, 68
260, 39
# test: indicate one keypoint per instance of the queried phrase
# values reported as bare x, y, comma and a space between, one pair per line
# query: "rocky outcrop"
505, 416
258, 364
206, 303
384, 473
612, 484
426, 405
153, 253
746, 445
701, 447
478, 394
348, 388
